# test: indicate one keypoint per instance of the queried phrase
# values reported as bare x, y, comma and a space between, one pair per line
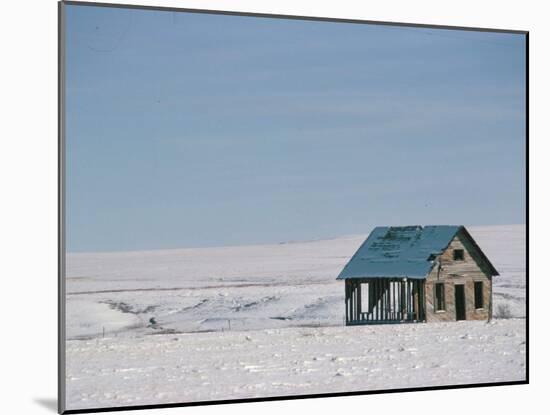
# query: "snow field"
291, 361
188, 325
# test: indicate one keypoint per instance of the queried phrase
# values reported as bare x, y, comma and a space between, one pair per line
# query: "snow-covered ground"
291, 361
266, 320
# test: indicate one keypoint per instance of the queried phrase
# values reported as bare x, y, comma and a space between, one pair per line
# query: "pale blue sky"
191, 130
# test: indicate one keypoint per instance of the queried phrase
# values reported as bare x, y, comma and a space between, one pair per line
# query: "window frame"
480, 293
436, 298
460, 256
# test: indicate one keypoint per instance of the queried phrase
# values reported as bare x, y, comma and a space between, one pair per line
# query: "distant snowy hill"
246, 287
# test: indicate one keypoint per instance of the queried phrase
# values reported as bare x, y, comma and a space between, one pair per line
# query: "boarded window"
439, 296
478, 294
458, 254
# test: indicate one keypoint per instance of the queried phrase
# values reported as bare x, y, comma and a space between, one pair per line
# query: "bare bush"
503, 311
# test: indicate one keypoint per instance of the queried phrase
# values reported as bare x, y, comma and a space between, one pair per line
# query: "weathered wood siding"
451, 273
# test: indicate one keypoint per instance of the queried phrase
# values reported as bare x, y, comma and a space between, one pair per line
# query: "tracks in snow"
206, 287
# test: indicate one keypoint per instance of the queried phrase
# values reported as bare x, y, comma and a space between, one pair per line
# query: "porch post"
346, 294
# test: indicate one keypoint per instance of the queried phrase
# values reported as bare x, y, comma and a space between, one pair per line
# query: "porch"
384, 300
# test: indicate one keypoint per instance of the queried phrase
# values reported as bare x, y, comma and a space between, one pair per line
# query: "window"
478, 294
439, 296
458, 254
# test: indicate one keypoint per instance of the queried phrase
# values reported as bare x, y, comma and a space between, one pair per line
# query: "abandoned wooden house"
418, 274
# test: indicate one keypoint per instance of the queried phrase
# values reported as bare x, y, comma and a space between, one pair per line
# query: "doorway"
460, 305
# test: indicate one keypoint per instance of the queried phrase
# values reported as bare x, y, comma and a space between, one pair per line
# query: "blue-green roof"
399, 251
